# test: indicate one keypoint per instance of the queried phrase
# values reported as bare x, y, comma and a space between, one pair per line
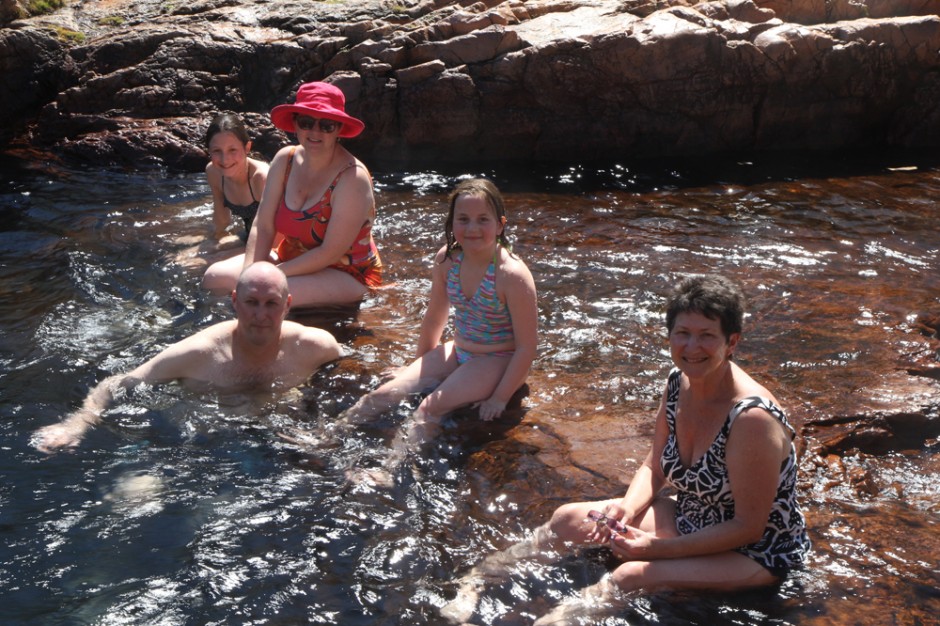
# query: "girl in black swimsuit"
236, 180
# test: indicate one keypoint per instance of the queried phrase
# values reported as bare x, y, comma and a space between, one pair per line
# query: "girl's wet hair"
476, 187
714, 296
227, 122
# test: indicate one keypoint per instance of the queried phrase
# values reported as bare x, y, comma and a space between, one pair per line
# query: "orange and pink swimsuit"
305, 230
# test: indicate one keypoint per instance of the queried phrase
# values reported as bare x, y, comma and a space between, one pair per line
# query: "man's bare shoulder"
209, 337
191, 357
310, 342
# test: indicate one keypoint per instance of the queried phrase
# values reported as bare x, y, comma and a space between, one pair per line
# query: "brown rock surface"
134, 82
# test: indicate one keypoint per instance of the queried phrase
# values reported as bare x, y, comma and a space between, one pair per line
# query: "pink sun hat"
319, 100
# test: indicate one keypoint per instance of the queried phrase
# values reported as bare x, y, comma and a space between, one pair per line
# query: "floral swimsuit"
306, 229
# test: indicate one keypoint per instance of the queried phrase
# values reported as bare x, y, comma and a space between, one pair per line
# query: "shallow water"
191, 510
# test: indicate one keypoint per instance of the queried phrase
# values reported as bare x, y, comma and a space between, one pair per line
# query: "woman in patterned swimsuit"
495, 325
315, 217
723, 444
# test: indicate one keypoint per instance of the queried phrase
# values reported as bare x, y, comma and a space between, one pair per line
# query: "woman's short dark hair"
714, 296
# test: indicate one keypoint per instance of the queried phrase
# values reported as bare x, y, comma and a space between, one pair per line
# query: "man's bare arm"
172, 363
71, 430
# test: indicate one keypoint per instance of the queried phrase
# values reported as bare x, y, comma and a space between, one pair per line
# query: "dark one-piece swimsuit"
245, 211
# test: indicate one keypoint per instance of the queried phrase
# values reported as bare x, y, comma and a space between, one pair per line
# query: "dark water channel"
184, 510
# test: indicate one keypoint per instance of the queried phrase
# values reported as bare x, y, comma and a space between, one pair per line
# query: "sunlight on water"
193, 509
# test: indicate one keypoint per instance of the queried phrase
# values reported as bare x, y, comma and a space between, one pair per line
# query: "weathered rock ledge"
113, 81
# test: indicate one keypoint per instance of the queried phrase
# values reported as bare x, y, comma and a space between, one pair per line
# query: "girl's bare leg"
470, 382
429, 370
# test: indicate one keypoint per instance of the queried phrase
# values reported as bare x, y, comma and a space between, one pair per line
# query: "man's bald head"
261, 300
262, 273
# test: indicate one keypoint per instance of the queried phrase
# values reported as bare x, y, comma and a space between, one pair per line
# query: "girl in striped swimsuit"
495, 324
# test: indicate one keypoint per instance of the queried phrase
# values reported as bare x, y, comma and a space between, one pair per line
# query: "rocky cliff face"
113, 81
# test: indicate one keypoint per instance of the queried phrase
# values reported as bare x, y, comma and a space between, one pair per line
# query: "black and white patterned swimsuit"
704, 491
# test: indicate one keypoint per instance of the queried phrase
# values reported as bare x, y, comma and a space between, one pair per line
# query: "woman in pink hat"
316, 213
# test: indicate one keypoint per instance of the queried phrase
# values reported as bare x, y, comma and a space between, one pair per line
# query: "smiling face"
229, 154
313, 132
479, 189
698, 345
476, 226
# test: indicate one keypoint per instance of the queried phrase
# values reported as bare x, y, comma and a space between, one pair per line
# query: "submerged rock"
135, 82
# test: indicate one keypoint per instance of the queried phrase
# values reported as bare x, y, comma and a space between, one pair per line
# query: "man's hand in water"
66, 434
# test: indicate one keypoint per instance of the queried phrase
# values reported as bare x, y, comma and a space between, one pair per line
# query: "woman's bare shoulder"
747, 387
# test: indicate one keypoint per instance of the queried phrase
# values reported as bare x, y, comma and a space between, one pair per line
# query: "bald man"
259, 351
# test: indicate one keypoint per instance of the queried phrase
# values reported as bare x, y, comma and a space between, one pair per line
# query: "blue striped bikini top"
482, 318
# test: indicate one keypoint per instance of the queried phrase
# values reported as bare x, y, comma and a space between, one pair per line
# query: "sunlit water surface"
192, 510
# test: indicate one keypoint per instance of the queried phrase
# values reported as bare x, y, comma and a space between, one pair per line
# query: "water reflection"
189, 510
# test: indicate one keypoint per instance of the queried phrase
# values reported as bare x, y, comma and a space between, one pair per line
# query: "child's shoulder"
441, 263
441, 256
259, 167
514, 273
511, 262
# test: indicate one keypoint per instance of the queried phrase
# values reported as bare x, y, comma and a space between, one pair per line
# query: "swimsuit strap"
453, 275
290, 165
327, 195
250, 191
340, 173
763, 403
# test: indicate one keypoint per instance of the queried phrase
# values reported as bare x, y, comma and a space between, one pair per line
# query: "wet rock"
34, 66
10, 10
544, 79
821, 11
923, 359
928, 324
878, 433
863, 482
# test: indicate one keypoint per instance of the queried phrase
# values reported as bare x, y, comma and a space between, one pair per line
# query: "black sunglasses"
304, 122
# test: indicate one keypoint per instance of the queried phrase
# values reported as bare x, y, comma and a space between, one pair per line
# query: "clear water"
187, 510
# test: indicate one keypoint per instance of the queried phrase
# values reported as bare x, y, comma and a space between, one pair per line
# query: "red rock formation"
544, 79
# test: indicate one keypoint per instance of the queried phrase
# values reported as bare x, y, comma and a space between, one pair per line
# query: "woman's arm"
756, 448
522, 301
438, 311
261, 237
648, 480
353, 204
